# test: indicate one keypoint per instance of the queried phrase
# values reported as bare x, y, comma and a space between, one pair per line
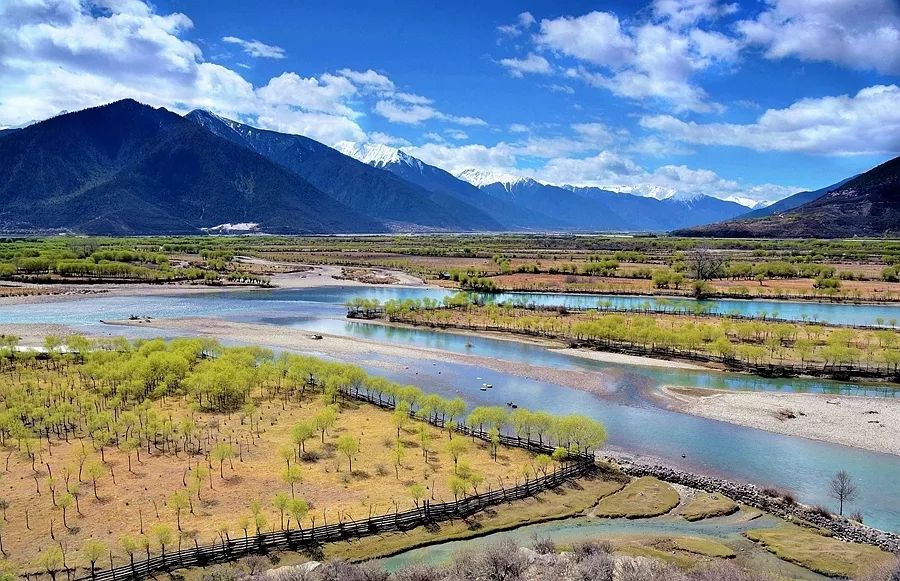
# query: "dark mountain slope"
867, 205
366, 189
126, 168
789, 203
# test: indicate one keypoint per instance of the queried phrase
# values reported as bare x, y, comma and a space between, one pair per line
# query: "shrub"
418, 573
587, 549
543, 545
595, 567
821, 511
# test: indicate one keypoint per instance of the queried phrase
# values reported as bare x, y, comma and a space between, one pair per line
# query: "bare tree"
705, 264
843, 489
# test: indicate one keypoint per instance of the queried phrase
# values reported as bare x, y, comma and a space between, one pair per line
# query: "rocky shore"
841, 528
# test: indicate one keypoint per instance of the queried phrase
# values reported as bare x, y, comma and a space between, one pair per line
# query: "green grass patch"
705, 547
705, 505
816, 552
643, 498
567, 501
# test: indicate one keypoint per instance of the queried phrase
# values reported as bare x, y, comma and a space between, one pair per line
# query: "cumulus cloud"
865, 123
533, 63
681, 13
655, 60
859, 34
255, 48
524, 21
60, 55
398, 109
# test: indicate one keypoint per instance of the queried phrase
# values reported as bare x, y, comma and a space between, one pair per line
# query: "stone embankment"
840, 527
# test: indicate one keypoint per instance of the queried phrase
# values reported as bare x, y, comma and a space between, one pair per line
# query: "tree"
349, 447
64, 502
291, 476
178, 502
94, 472
705, 264
417, 491
281, 503
51, 559
324, 420
129, 545
220, 453
298, 509
302, 432
843, 489
93, 550
457, 486
163, 534
456, 448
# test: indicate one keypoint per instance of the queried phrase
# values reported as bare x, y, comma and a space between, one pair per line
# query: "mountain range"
865, 205
127, 168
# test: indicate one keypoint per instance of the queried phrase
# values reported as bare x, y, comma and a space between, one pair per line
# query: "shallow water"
634, 423
726, 530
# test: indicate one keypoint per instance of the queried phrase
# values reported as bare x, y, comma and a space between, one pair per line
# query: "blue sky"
744, 100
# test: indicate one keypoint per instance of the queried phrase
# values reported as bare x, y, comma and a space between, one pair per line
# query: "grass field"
642, 498
818, 553
706, 505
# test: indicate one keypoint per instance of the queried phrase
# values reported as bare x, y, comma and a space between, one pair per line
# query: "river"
634, 423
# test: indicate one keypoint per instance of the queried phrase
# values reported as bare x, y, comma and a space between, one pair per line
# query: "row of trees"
752, 342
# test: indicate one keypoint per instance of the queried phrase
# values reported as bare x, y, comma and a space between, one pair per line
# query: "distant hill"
126, 168
651, 214
791, 202
366, 189
511, 216
865, 205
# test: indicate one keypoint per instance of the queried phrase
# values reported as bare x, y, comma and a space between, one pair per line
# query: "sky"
749, 101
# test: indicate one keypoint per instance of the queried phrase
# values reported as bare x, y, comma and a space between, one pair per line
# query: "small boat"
483, 388
487, 385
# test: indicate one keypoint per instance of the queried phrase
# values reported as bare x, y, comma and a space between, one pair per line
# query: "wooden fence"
580, 464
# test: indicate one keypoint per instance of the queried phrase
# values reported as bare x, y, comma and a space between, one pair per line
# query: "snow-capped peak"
377, 154
481, 178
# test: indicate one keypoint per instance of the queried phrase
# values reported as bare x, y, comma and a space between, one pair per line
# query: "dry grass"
705, 505
642, 498
327, 484
818, 553
570, 500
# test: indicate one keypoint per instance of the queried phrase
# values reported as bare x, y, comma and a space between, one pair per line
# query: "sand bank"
622, 358
871, 423
361, 351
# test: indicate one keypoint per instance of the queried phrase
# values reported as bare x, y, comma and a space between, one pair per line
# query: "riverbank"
312, 277
360, 351
841, 528
870, 423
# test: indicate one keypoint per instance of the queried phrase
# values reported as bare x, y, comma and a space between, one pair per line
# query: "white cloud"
369, 79
681, 13
457, 134
533, 63
596, 37
523, 22
865, 123
326, 94
60, 55
398, 112
454, 158
655, 60
859, 34
255, 48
